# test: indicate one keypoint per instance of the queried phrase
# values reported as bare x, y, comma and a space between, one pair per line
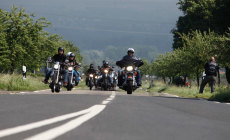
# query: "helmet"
103, 62
72, 55
91, 66
131, 50
106, 63
60, 48
68, 54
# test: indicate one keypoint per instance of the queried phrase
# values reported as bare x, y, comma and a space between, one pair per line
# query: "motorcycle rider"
103, 67
72, 62
91, 70
129, 58
60, 57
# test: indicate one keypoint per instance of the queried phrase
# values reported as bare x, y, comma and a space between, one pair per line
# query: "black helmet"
61, 48
72, 55
91, 66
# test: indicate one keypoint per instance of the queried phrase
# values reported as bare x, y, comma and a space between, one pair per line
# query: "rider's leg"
139, 81
65, 77
76, 77
120, 78
48, 73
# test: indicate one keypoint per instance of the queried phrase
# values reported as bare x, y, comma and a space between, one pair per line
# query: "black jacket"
127, 60
73, 62
90, 71
59, 58
211, 68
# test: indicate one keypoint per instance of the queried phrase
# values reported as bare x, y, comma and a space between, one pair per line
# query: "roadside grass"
82, 85
222, 93
14, 82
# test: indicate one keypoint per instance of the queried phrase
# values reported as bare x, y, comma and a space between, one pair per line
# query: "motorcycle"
91, 81
114, 76
57, 78
129, 75
71, 78
105, 85
97, 77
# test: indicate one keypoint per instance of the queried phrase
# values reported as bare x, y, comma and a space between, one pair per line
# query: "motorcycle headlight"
56, 66
70, 68
106, 71
91, 75
129, 68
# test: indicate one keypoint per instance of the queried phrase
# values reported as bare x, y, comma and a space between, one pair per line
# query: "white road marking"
105, 102
87, 114
109, 99
22, 128
60, 130
217, 102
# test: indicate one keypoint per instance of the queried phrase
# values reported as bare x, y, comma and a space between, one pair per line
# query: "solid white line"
109, 99
217, 102
105, 102
22, 128
60, 130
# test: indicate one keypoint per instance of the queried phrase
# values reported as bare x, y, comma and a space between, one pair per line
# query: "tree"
24, 42
198, 15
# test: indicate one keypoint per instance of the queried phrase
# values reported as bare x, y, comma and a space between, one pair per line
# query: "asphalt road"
98, 115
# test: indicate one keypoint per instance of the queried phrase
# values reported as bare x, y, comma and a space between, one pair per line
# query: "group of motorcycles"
127, 75
57, 77
104, 80
101, 80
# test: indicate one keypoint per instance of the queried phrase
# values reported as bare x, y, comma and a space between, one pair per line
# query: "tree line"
201, 32
23, 41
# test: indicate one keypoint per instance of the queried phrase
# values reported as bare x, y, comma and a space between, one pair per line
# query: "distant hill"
99, 26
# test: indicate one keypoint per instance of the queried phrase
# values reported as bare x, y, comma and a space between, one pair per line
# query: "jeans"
138, 78
48, 73
75, 74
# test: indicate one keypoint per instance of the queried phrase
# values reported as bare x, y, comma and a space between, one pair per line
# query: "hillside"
94, 25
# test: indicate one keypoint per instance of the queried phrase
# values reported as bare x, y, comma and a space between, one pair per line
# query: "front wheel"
130, 87
69, 88
57, 88
129, 91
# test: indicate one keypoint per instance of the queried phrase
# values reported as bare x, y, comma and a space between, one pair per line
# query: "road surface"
100, 115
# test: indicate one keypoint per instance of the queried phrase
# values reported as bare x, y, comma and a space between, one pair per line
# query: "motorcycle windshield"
130, 62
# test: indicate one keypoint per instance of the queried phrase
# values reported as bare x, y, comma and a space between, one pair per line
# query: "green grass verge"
82, 85
15, 82
222, 93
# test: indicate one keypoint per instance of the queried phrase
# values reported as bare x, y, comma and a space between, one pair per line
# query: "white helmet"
68, 54
130, 50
